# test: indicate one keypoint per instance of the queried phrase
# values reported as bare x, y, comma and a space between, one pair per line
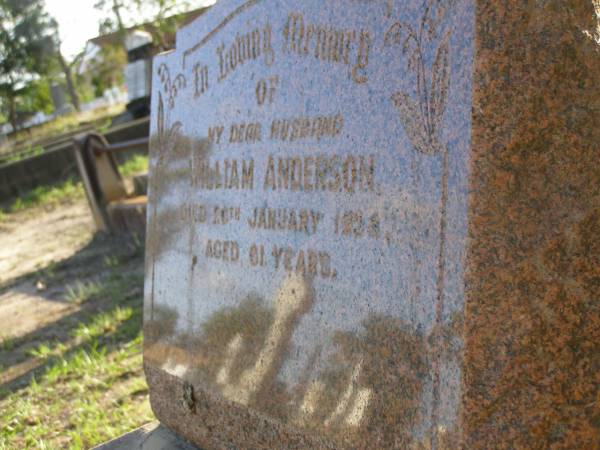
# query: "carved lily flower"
422, 119
422, 115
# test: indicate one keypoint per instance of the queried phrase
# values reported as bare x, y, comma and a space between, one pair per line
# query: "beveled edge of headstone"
152, 436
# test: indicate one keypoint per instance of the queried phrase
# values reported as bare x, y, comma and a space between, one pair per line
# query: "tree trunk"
69, 78
12, 113
117, 10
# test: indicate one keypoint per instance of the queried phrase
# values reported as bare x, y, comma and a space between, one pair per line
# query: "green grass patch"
68, 123
7, 344
102, 324
83, 399
91, 387
49, 196
134, 165
26, 153
81, 292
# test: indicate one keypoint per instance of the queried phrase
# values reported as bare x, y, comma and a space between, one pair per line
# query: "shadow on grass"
106, 317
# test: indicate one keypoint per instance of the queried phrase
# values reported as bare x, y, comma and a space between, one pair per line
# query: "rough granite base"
247, 429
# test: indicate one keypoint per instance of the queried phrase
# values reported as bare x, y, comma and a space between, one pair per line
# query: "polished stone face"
316, 167
308, 213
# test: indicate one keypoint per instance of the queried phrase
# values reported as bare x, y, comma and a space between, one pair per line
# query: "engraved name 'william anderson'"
332, 173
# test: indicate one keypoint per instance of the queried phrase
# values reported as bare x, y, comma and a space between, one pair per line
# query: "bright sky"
78, 21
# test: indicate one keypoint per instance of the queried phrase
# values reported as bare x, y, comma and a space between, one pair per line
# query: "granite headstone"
375, 224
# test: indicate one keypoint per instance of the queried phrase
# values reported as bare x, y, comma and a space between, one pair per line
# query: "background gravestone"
375, 224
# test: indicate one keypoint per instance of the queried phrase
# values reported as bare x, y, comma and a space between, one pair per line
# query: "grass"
46, 196
90, 387
65, 124
134, 165
52, 196
82, 291
26, 153
7, 344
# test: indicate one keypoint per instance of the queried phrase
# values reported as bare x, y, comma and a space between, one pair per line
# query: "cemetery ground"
70, 324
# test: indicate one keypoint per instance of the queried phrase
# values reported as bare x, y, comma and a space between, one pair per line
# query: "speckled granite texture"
532, 309
375, 224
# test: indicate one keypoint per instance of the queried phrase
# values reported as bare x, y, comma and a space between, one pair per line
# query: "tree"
114, 20
162, 13
106, 71
27, 46
35, 96
67, 71
167, 18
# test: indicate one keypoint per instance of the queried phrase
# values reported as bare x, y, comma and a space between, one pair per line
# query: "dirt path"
31, 240
55, 271
31, 243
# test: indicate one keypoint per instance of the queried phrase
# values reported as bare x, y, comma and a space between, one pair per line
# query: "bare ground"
47, 259
31, 243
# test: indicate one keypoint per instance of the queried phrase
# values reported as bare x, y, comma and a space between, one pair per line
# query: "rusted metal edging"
123, 146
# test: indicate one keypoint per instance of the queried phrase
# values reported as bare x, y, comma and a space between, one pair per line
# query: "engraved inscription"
215, 134
300, 240
225, 174
200, 79
245, 133
207, 214
284, 219
223, 215
265, 90
303, 262
307, 127
228, 251
357, 225
279, 129
326, 43
351, 173
253, 45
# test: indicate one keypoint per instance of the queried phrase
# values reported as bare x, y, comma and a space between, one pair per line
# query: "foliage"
135, 165
27, 45
107, 69
166, 18
113, 19
34, 97
162, 13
